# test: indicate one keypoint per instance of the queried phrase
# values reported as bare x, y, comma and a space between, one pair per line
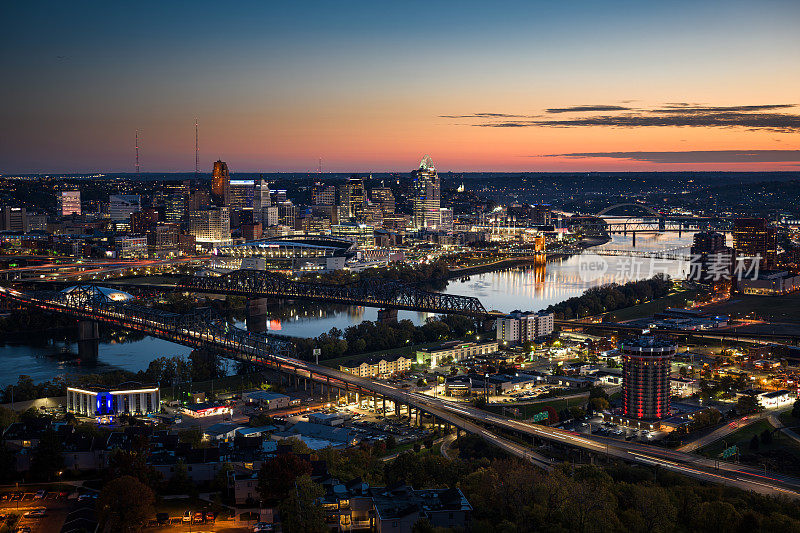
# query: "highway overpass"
202, 328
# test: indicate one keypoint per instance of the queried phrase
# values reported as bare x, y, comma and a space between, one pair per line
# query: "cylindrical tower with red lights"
645, 377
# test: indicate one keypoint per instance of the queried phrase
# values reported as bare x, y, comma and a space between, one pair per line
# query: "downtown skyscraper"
427, 196
221, 185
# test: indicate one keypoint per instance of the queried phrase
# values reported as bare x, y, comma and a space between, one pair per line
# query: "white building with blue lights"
128, 398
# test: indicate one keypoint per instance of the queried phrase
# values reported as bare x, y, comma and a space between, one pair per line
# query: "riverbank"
510, 262
500, 264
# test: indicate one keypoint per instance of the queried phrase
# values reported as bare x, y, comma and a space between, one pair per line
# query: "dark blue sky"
373, 85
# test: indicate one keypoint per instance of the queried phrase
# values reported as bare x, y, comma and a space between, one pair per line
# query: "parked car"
39, 495
210, 517
198, 517
187, 517
261, 527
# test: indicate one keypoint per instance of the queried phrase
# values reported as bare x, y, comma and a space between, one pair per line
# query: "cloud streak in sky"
754, 117
587, 108
695, 156
488, 115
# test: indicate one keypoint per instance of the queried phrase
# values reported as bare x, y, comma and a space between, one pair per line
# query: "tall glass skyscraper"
427, 195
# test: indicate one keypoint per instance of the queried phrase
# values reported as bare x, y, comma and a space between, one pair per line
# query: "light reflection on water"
527, 288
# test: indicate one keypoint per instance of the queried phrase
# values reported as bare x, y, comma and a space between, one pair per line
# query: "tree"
796, 409
277, 476
192, 435
301, 511
220, 482
125, 504
599, 404
766, 437
754, 443
7, 417
180, 483
748, 403
132, 463
47, 459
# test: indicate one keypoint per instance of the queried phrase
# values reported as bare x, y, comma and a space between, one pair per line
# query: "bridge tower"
88, 339
256, 318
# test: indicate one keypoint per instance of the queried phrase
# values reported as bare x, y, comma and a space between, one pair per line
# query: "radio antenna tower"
196, 150
319, 168
137, 151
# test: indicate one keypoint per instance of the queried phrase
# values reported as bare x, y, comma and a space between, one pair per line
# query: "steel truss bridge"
202, 327
368, 292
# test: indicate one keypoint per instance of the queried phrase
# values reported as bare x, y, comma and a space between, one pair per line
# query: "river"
531, 287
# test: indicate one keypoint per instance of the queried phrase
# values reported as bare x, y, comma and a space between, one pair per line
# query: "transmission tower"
137, 151
196, 150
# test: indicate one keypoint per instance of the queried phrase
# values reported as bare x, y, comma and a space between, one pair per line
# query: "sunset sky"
371, 86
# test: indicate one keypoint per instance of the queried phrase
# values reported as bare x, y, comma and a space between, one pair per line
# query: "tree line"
369, 336
607, 298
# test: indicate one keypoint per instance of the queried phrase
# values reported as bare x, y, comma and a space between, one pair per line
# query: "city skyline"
515, 87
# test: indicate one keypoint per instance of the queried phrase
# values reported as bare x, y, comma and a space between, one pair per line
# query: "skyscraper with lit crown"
427, 195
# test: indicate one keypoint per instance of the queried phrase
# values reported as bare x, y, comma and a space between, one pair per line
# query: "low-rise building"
128, 398
683, 387
774, 399
268, 400
129, 246
202, 409
770, 283
338, 437
356, 506
222, 432
326, 419
454, 351
379, 366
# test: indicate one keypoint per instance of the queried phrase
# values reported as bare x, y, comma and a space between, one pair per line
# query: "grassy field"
740, 438
228, 384
527, 411
771, 308
677, 299
780, 455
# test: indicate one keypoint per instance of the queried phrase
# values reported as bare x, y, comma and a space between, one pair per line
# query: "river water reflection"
531, 287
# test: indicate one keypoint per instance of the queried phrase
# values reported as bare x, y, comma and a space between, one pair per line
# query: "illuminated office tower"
211, 227
754, 237
261, 202
14, 219
323, 194
221, 185
383, 196
427, 200
352, 197
69, 203
122, 206
176, 203
241, 194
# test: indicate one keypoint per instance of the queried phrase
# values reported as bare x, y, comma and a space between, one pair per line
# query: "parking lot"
596, 426
38, 511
